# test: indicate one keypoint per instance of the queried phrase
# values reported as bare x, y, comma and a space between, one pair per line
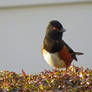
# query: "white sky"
13, 3
22, 30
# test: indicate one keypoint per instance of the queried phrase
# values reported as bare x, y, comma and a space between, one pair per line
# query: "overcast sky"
22, 31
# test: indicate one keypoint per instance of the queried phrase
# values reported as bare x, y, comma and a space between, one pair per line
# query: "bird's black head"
55, 30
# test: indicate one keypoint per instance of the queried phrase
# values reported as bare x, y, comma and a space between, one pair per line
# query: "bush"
74, 79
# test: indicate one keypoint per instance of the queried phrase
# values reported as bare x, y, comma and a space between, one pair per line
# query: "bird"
55, 50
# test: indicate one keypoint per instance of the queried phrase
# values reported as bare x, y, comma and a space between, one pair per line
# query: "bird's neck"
52, 45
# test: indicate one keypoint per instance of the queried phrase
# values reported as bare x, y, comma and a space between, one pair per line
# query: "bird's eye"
54, 28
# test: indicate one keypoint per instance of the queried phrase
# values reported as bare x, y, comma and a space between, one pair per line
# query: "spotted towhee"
54, 50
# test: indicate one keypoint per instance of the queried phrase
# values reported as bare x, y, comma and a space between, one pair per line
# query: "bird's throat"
51, 45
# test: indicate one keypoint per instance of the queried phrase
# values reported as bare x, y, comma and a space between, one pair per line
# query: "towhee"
54, 49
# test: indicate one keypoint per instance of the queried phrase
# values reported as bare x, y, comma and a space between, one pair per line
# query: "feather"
79, 53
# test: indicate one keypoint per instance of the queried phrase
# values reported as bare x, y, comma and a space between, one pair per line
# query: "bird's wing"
72, 53
65, 55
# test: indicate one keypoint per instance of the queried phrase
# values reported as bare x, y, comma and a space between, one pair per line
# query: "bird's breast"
53, 59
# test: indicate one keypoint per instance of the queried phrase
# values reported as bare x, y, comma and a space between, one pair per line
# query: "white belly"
53, 59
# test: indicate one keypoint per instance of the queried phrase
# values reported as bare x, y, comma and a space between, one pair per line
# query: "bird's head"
55, 30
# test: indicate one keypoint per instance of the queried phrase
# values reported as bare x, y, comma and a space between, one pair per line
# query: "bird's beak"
64, 30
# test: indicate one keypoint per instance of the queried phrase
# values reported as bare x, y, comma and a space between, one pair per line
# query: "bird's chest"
53, 59
52, 46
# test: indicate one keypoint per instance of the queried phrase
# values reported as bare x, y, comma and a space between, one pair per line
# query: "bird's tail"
79, 53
